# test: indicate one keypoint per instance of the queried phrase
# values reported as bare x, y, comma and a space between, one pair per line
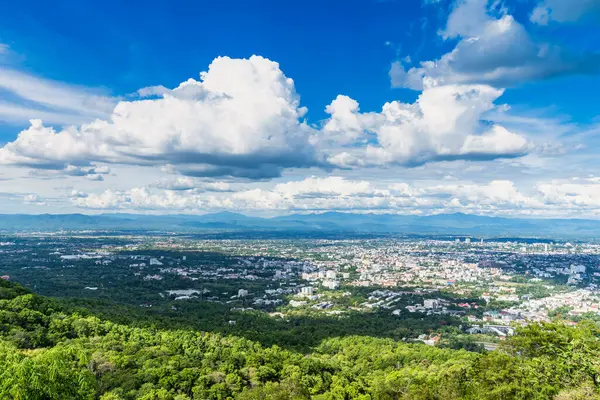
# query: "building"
242, 293
331, 284
307, 291
154, 261
577, 269
431, 303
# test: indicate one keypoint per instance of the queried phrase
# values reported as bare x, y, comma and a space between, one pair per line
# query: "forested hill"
48, 353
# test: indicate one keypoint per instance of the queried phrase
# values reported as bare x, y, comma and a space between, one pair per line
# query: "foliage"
47, 353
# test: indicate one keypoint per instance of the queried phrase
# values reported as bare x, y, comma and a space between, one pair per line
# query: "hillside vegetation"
48, 353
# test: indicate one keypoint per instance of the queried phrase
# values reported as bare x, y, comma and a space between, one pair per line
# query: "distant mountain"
332, 222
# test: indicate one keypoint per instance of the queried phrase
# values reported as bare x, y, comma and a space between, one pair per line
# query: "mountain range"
332, 222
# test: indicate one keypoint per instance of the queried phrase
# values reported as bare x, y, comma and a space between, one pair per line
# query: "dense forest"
49, 352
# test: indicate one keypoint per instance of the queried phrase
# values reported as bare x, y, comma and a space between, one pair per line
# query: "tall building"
307, 291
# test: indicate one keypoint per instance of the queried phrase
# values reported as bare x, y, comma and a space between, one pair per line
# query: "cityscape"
316, 200
482, 283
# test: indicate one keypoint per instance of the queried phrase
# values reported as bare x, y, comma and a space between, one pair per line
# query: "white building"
431, 303
242, 293
307, 291
154, 261
295, 303
577, 269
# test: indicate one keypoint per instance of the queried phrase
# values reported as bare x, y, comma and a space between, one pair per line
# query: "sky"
269, 108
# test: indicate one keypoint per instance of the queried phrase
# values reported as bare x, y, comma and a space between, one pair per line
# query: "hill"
47, 352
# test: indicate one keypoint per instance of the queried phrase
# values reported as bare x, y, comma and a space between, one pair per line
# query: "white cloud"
572, 194
138, 199
499, 197
495, 193
189, 183
33, 199
179, 183
17, 114
30, 198
241, 119
324, 187
493, 48
563, 11
445, 123
309, 193
92, 172
57, 102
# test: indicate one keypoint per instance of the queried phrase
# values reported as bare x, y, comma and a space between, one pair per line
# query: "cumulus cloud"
33, 199
91, 172
495, 193
242, 118
493, 48
325, 187
138, 199
562, 11
499, 197
30, 198
188, 183
571, 194
445, 123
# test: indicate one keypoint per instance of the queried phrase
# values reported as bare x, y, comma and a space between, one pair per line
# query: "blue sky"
327, 47
412, 106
